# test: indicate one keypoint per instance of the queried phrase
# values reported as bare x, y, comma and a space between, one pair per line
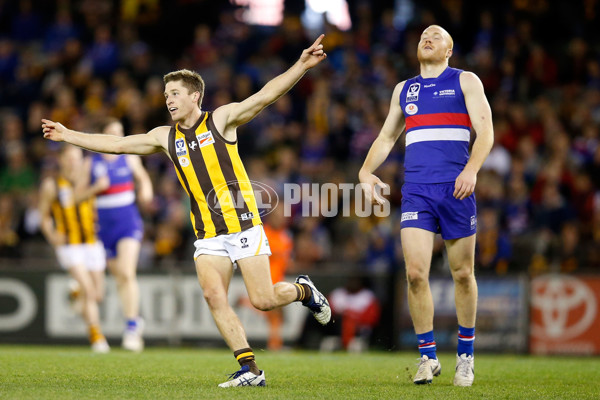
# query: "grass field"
51, 372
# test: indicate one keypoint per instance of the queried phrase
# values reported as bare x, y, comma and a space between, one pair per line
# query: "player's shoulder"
48, 185
400, 86
160, 130
469, 77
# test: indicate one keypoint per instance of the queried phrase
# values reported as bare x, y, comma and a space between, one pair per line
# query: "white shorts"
91, 256
248, 243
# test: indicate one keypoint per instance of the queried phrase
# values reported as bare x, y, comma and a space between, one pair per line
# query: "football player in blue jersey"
437, 109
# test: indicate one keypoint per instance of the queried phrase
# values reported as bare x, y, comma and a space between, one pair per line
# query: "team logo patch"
184, 161
180, 148
411, 109
413, 92
409, 216
206, 138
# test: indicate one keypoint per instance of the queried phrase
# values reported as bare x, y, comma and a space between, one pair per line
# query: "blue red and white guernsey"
437, 128
118, 216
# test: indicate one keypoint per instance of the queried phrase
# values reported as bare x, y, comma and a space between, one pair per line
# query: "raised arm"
480, 114
230, 116
149, 143
142, 179
390, 132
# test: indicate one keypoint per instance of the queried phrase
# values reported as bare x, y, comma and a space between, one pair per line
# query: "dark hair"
191, 80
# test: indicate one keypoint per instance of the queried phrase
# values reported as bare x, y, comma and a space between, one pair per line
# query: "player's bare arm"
83, 188
390, 132
227, 118
142, 144
47, 196
142, 179
480, 114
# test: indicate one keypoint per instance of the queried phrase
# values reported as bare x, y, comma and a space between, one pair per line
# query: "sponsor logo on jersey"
247, 216
408, 216
430, 85
473, 222
184, 161
206, 138
447, 92
413, 92
180, 148
411, 109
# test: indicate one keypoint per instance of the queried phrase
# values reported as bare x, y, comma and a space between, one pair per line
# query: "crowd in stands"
538, 193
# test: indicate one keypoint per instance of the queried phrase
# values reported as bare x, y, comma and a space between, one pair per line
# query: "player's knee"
416, 278
263, 303
215, 298
463, 276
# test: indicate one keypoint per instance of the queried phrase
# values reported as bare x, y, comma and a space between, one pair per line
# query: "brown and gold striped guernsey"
76, 221
211, 172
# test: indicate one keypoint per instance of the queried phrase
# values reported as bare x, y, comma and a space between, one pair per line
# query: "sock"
246, 357
427, 345
466, 337
303, 292
131, 324
95, 333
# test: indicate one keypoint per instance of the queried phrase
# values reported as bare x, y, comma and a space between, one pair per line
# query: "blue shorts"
433, 207
119, 223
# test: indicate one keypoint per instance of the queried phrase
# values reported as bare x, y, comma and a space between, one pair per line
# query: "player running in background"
203, 148
121, 228
67, 222
437, 108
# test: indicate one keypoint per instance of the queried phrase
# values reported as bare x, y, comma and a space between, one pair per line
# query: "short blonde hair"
191, 80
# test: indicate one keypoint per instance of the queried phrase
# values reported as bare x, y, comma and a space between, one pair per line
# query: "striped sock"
245, 356
466, 337
303, 292
427, 345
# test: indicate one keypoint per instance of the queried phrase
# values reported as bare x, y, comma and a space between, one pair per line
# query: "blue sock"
466, 337
427, 345
132, 324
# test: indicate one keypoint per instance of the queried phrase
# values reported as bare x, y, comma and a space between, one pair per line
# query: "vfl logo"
473, 222
206, 138
180, 147
244, 242
193, 146
413, 92
408, 216
563, 307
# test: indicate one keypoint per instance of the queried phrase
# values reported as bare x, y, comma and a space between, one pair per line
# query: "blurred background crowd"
80, 61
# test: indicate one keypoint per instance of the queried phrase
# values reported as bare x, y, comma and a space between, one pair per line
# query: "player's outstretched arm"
233, 115
480, 114
149, 143
390, 132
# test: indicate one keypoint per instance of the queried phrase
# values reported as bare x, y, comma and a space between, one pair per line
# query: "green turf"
43, 372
